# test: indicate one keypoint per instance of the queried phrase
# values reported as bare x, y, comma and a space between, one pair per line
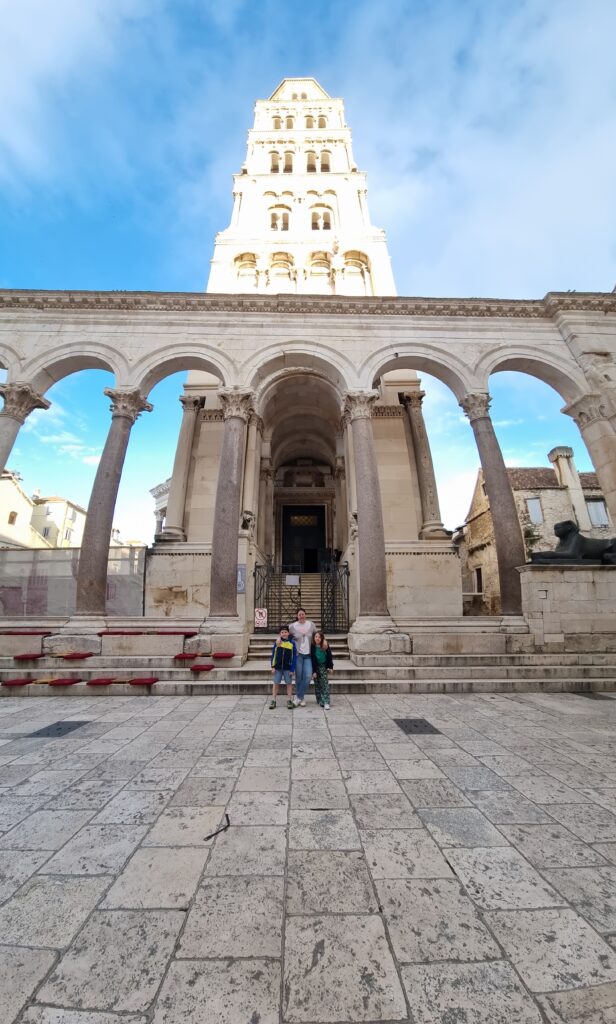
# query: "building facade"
543, 497
302, 436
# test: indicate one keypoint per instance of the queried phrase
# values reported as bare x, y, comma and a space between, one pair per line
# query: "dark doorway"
303, 535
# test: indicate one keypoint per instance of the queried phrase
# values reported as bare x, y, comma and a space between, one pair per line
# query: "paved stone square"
463, 876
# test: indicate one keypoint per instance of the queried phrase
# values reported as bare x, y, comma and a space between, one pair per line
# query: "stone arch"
10, 362
299, 356
568, 381
436, 361
49, 368
161, 364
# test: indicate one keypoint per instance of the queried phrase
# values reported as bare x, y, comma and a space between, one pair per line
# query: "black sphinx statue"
573, 548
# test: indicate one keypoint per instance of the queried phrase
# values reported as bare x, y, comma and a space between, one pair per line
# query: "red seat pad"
26, 657
63, 682
16, 682
201, 668
77, 655
144, 681
223, 654
184, 657
100, 681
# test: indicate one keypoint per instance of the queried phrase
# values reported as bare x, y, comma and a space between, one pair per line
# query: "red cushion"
100, 681
16, 682
143, 681
185, 657
63, 682
223, 654
201, 668
25, 632
77, 655
26, 657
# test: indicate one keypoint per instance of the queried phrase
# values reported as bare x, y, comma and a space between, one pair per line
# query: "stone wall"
571, 607
424, 580
177, 583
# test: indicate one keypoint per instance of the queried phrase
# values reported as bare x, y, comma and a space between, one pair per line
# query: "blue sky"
487, 128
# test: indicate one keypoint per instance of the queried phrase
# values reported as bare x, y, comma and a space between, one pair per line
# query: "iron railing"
277, 592
335, 597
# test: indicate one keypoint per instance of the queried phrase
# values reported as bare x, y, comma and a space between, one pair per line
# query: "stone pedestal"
570, 608
375, 640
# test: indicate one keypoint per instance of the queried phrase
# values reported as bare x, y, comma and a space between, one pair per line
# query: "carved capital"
236, 402
20, 400
411, 399
127, 404
358, 404
190, 404
476, 404
587, 409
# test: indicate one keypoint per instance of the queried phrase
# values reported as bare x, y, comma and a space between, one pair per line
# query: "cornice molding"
334, 305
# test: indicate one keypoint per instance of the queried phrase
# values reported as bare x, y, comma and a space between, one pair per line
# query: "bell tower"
300, 221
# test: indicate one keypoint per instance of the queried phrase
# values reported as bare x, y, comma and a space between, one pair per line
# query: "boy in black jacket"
284, 656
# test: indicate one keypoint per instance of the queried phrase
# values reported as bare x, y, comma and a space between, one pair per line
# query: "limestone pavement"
462, 871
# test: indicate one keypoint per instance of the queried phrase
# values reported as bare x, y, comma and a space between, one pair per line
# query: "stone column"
236, 407
248, 495
19, 401
371, 533
430, 512
591, 413
342, 516
508, 539
176, 502
349, 463
126, 406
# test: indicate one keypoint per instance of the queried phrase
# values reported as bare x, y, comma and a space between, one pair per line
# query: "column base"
434, 531
375, 639
221, 634
170, 533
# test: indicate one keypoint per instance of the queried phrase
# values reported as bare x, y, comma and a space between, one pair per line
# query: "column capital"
236, 402
20, 400
127, 404
586, 409
476, 404
411, 399
190, 403
358, 404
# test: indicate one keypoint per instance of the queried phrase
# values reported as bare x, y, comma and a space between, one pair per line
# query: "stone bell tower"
300, 221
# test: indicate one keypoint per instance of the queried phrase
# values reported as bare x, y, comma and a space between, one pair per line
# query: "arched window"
357, 279
321, 218
311, 162
274, 163
304, 96
322, 122
282, 273
288, 163
319, 274
12, 518
277, 124
294, 96
309, 122
246, 270
325, 165
279, 218
289, 122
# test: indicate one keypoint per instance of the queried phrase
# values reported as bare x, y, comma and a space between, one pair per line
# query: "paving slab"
434, 793
202, 791
403, 853
185, 826
384, 810
158, 877
96, 850
258, 808
553, 949
329, 882
47, 911
501, 878
247, 850
592, 891
220, 992
552, 846
323, 830
596, 1005
54, 1015
45, 830
16, 869
340, 968
235, 917
489, 993
433, 920
21, 970
116, 962
460, 826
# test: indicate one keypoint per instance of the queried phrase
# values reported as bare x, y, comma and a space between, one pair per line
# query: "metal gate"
335, 597
278, 592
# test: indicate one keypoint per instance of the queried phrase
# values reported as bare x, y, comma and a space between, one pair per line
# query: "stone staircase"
449, 656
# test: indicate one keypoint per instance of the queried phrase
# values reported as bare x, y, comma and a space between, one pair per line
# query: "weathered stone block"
66, 643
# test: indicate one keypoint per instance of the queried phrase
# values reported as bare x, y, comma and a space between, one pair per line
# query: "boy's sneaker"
326, 707
302, 703
291, 705
296, 702
272, 704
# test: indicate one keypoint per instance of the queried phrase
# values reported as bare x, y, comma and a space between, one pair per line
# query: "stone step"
360, 687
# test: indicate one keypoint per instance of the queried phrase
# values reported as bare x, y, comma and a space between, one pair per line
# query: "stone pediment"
290, 86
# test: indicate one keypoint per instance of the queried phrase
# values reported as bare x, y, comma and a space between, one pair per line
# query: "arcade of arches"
302, 432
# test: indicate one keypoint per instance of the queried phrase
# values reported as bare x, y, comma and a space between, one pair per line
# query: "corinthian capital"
358, 404
587, 409
190, 404
20, 400
411, 399
236, 402
476, 404
127, 404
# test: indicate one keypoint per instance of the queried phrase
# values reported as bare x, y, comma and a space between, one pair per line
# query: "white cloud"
91, 460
